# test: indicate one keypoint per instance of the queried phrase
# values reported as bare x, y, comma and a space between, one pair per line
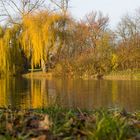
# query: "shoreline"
111, 76
47, 75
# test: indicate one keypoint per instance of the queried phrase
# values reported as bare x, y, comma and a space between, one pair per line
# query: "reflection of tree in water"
13, 91
18, 92
3, 93
114, 92
87, 94
39, 93
91, 94
128, 94
23, 93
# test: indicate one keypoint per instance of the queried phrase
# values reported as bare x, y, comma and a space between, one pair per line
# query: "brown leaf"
46, 123
9, 127
42, 137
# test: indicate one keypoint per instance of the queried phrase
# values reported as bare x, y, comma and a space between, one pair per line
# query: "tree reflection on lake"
85, 94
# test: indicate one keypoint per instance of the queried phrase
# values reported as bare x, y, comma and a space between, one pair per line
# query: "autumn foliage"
52, 41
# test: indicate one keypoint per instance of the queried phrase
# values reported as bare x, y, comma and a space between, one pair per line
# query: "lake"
85, 94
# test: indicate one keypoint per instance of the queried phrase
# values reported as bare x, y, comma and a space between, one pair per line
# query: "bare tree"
15, 10
63, 5
97, 24
128, 33
129, 26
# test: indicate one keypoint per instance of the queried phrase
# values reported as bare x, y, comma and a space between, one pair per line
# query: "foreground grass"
56, 123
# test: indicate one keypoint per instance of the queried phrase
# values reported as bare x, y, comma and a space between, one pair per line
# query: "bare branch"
15, 6
19, 8
63, 5
6, 10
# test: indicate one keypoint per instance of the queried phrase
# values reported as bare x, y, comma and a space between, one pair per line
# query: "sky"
115, 9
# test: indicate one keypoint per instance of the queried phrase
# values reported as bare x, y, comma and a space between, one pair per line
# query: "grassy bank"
123, 75
38, 74
116, 75
56, 123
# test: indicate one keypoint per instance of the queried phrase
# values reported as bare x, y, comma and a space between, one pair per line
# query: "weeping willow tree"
40, 37
11, 59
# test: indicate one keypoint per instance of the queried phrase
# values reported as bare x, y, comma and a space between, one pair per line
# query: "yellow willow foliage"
10, 54
39, 36
4, 52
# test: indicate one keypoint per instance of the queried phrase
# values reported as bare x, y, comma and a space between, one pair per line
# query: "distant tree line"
35, 36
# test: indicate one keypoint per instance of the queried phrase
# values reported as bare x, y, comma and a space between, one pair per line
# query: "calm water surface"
85, 94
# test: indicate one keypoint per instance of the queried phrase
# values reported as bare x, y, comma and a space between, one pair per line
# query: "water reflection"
40, 93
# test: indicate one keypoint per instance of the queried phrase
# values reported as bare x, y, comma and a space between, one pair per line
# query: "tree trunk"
43, 66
